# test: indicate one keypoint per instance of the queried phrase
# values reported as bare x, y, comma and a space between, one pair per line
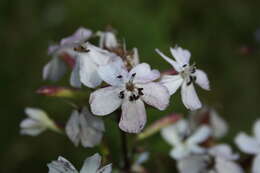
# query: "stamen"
119, 76
140, 91
131, 98
185, 65
133, 75
121, 95
191, 79
81, 49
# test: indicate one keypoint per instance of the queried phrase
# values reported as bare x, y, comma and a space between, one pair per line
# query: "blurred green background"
222, 36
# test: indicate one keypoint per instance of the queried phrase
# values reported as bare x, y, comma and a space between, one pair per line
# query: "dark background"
222, 36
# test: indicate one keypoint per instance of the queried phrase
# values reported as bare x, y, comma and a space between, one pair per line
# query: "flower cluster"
115, 82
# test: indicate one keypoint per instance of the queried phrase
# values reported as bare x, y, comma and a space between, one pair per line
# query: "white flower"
107, 40
37, 122
129, 90
251, 145
209, 117
183, 141
224, 160
85, 128
88, 61
91, 165
187, 75
56, 67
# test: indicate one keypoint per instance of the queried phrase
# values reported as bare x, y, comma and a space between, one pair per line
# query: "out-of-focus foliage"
219, 34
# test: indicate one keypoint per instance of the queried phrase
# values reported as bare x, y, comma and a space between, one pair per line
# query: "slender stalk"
124, 146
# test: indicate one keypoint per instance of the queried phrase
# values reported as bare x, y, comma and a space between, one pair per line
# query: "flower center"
131, 91
188, 73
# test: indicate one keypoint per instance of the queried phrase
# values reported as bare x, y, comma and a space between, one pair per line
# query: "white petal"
31, 127
256, 164
81, 35
224, 166
218, 124
202, 79
72, 128
36, 114
180, 152
247, 143
172, 82
174, 64
113, 73
75, 76
170, 134
189, 97
257, 130
91, 129
182, 56
61, 166
192, 164
54, 69
155, 95
223, 151
133, 116
200, 135
105, 169
91, 164
105, 100
88, 72
143, 73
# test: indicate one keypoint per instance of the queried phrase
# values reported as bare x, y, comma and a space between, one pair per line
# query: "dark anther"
193, 70
81, 49
184, 65
194, 78
136, 97
133, 75
140, 91
121, 95
131, 98
119, 77
191, 80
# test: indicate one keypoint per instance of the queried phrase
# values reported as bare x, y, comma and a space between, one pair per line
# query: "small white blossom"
251, 145
84, 128
209, 117
129, 90
107, 40
88, 61
187, 75
56, 67
91, 165
224, 160
185, 142
37, 122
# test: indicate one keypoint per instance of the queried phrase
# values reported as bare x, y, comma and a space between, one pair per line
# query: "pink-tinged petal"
105, 100
182, 56
172, 82
174, 64
143, 73
54, 69
73, 129
189, 97
75, 76
113, 73
200, 135
133, 116
256, 130
88, 72
247, 143
256, 164
202, 79
81, 35
155, 95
